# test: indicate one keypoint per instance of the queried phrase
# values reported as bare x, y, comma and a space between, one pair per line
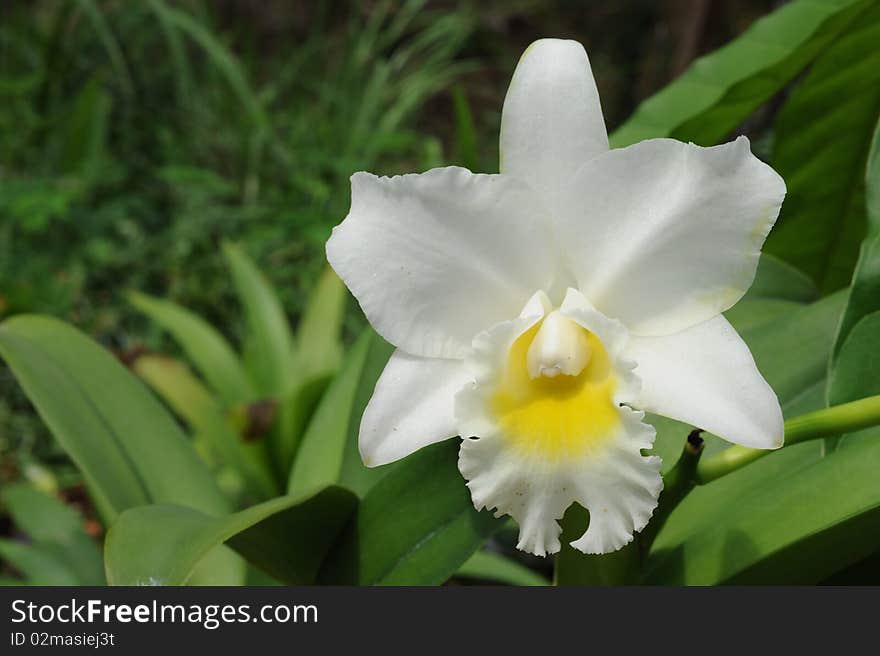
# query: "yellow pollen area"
560, 417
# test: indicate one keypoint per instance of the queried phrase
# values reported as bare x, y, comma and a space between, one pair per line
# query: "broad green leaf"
777, 280
208, 350
319, 461
186, 395
56, 530
721, 89
822, 139
269, 343
864, 296
792, 352
872, 183
864, 300
490, 566
857, 371
415, 526
750, 314
287, 537
778, 288
129, 449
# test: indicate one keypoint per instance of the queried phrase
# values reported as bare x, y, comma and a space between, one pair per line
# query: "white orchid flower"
540, 312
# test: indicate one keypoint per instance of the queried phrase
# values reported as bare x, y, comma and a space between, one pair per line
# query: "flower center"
555, 396
560, 347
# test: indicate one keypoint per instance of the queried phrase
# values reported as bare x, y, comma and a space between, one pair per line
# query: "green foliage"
146, 149
257, 434
288, 537
203, 344
864, 295
58, 550
811, 520
872, 183
128, 448
213, 430
823, 135
137, 136
493, 567
721, 89
399, 537
268, 346
325, 441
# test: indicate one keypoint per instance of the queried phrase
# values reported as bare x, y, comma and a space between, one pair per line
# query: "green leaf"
130, 451
203, 345
777, 280
287, 537
489, 566
317, 356
57, 533
186, 395
176, 48
823, 136
872, 183
270, 342
37, 564
857, 371
792, 352
416, 526
864, 300
318, 337
864, 296
354, 474
465, 132
778, 289
721, 89
319, 461
294, 415
572, 567
85, 132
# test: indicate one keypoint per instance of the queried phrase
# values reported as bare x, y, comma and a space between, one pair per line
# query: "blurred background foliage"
140, 138
138, 135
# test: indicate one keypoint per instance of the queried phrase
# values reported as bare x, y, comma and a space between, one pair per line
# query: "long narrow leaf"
203, 344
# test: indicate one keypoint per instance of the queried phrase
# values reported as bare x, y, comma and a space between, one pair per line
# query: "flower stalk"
828, 422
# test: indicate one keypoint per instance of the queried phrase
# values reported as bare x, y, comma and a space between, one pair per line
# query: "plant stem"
844, 418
